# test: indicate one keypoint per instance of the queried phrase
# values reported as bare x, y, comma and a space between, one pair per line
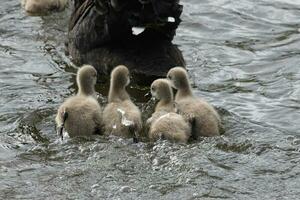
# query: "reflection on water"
243, 56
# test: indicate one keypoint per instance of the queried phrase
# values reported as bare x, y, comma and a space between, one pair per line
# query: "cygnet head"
86, 80
120, 77
161, 90
179, 78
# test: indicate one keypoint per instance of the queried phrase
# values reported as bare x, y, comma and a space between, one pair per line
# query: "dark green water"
243, 56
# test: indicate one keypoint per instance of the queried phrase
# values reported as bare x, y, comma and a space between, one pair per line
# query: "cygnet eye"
153, 89
169, 77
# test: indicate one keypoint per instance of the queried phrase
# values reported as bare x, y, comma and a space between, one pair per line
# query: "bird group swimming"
177, 119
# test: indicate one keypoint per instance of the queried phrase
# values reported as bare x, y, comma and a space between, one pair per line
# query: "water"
243, 56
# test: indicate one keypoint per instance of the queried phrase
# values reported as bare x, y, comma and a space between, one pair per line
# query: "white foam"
95, 186
124, 121
121, 111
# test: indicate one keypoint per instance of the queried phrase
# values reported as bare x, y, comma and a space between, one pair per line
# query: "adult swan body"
135, 33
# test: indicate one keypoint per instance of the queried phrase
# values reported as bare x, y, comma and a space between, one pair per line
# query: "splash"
124, 120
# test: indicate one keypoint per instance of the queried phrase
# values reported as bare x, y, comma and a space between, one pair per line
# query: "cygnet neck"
85, 88
117, 92
166, 102
184, 90
164, 105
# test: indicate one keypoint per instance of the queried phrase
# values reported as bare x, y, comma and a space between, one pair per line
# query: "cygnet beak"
128, 82
148, 95
153, 94
154, 99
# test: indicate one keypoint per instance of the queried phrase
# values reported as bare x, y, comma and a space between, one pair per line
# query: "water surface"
243, 56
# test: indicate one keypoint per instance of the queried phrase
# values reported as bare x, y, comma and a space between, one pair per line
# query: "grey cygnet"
165, 122
121, 116
81, 115
204, 118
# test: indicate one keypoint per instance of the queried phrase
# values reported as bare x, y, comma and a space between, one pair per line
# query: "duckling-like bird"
165, 123
81, 115
121, 117
43, 6
204, 118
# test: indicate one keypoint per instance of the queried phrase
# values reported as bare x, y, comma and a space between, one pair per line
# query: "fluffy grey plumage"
205, 119
165, 123
121, 117
81, 115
